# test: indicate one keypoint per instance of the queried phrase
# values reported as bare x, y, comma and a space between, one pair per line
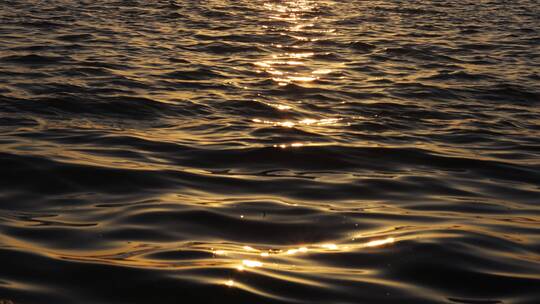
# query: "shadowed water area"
270, 151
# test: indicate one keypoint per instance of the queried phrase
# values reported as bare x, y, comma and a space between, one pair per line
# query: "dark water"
270, 151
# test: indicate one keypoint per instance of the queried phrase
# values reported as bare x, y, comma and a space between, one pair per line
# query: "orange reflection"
293, 145
286, 66
252, 263
303, 122
377, 243
330, 246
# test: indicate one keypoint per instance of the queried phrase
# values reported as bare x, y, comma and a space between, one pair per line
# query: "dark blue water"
270, 151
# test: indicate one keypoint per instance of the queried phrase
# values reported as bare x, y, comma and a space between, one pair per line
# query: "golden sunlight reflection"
377, 243
248, 248
283, 107
220, 252
288, 66
246, 258
303, 122
284, 262
300, 55
242, 258
290, 7
329, 246
322, 71
252, 263
293, 145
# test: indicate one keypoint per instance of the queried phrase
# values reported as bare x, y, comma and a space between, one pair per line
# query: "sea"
270, 151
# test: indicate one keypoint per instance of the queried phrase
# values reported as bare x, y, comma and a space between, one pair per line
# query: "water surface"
270, 151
